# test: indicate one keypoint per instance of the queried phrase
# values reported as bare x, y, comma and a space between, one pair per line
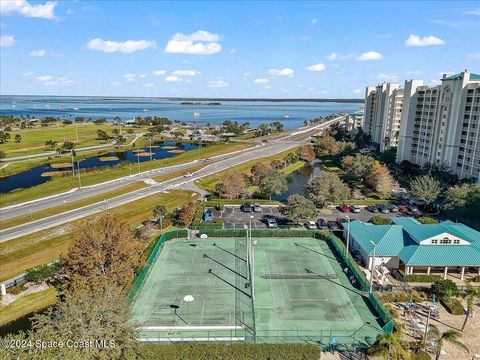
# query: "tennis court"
300, 293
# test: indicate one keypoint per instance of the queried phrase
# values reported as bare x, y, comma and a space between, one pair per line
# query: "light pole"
78, 173
373, 266
138, 162
252, 260
348, 235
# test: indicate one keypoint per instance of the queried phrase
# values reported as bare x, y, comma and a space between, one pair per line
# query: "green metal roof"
402, 239
460, 76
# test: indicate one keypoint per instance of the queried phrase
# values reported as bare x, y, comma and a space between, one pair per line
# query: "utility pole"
73, 163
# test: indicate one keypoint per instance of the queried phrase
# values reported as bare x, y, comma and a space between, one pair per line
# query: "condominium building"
383, 111
440, 124
353, 122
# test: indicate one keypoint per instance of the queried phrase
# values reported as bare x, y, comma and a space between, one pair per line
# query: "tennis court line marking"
193, 339
303, 284
269, 263
190, 327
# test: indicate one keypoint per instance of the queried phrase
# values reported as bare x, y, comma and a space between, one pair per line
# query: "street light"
78, 173
348, 234
373, 266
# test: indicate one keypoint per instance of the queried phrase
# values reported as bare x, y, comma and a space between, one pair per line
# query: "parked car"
344, 208
340, 222
392, 208
271, 223
205, 160
412, 208
322, 224
246, 207
188, 175
403, 209
372, 208
256, 208
355, 209
332, 225
383, 208
310, 225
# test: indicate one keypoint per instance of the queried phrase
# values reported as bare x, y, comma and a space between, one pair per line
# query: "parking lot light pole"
373, 266
348, 235
252, 260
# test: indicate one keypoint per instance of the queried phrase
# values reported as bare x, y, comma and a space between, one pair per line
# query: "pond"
33, 176
297, 180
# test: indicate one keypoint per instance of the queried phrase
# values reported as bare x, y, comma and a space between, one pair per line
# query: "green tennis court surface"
301, 293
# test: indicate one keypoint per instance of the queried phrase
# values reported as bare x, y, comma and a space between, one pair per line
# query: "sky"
275, 49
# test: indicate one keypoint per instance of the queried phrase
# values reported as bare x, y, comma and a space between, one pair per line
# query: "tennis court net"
297, 275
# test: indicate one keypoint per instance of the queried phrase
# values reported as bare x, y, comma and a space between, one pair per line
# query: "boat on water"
145, 109
75, 108
286, 116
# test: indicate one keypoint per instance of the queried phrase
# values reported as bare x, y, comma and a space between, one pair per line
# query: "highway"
215, 165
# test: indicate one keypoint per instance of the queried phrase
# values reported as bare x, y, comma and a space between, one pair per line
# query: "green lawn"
42, 247
95, 176
33, 140
27, 304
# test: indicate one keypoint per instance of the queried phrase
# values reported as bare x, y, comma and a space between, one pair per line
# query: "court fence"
325, 338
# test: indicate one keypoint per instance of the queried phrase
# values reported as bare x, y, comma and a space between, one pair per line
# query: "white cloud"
37, 53
334, 56
281, 72
314, 21
7, 40
473, 12
130, 77
23, 7
474, 55
218, 84
199, 43
260, 81
435, 82
173, 78
27, 74
128, 46
149, 84
49, 80
415, 40
440, 73
357, 91
185, 73
387, 77
159, 72
316, 67
370, 56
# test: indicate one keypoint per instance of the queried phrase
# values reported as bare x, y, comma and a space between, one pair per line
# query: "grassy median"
45, 246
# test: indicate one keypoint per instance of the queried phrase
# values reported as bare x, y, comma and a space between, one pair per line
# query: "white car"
188, 175
310, 225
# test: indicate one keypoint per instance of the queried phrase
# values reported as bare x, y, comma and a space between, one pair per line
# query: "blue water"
254, 112
33, 176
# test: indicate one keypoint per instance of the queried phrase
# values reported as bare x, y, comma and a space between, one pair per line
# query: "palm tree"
470, 296
159, 211
450, 336
390, 347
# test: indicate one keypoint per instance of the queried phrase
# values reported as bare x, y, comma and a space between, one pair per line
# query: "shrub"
427, 220
231, 352
421, 278
476, 278
442, 288
421, 355
379, 220
15, 290
453, 306
403, 296
39, 273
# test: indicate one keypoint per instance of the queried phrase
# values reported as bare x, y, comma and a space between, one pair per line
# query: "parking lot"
234, 218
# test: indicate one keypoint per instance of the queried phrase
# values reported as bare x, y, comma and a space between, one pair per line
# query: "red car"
344, 208
403, 209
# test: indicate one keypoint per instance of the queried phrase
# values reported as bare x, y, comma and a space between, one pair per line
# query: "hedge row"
231, 352
421, 278
223, 202
453, 306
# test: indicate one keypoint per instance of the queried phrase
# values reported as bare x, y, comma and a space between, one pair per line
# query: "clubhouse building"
415, 248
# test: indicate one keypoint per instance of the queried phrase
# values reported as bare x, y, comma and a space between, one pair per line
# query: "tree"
272, 183
391, 347
3, 154
463, 200
443, 288
291, 158
4, 137
426, 188
102, 135
379, 220
277, 125
113, 253
357, 166
379, 179
450, 336
327, 188
51, 144
18, 138
120, 140
159, 212
263, 129
427, 220
324, 145
306, 153
232, 186
389, 156
187, 212
258, 170
470, 295
177, 134
276, 164
298, 207
87, 315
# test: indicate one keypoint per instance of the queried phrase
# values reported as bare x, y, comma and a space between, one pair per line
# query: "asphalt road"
222, 162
